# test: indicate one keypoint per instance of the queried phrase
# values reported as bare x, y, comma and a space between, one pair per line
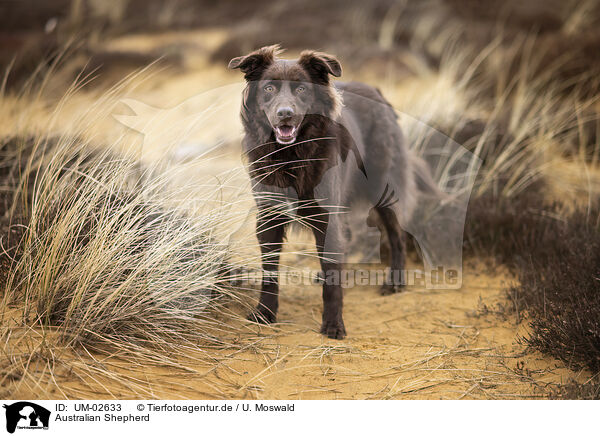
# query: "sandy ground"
419, 344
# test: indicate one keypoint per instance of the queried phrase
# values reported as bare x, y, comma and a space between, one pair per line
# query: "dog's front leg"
333, 322
270, 229
327, 231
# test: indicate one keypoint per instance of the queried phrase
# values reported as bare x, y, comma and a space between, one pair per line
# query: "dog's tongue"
285, 131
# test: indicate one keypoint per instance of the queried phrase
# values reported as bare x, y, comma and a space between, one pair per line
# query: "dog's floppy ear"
253, 64
320, 65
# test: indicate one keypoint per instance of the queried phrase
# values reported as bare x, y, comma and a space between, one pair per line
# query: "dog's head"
284, 92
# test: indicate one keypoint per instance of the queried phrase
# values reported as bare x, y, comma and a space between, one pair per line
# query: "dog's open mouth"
285, 133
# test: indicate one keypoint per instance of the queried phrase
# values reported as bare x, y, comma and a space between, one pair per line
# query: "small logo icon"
26, 415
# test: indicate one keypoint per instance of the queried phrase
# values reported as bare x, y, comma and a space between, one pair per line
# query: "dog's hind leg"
397, 241
270, 230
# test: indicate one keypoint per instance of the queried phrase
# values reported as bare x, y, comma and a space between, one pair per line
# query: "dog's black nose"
285, 112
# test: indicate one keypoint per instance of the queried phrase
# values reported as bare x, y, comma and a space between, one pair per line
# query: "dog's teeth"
286, 132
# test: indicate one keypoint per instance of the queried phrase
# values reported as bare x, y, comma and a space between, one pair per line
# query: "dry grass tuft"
101, 260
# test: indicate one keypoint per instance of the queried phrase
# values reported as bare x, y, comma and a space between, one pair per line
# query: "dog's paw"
391, 289
262, 316
334, 329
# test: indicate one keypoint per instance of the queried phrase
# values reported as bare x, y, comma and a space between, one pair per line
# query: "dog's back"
374, 129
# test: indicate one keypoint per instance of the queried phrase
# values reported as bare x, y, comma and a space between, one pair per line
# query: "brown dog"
316, 146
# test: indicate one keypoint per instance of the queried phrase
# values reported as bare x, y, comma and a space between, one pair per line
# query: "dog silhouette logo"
431, 209
26, 415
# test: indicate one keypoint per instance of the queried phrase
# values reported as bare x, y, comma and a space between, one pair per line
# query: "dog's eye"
269, 88
300, 89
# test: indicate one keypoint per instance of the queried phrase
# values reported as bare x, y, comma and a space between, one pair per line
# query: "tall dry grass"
111, 257
520, 123
533, 119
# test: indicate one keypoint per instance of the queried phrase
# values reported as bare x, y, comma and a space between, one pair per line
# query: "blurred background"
514, 82
376, 36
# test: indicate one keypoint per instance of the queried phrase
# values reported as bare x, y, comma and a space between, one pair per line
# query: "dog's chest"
299, 169
283, 201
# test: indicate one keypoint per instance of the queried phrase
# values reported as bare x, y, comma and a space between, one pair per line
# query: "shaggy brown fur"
318, 146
